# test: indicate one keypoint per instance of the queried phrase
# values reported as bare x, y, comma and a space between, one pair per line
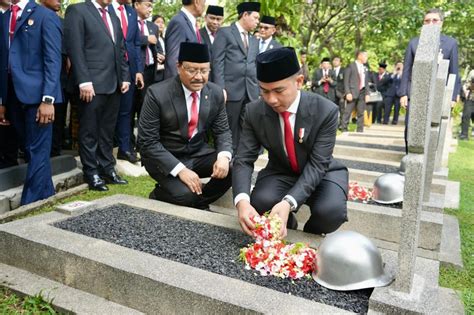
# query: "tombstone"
439, 91
445, 116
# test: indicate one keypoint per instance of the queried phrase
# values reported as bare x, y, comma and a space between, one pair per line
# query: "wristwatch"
292, 204
48, 100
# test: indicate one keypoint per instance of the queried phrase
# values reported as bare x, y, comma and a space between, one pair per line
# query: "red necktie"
289, 142
104, 18
326, 85
198, 34
15, 8
123, 19
194, 115
142, 31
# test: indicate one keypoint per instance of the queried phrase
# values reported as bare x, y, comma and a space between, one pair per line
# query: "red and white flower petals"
270, 256
359, 193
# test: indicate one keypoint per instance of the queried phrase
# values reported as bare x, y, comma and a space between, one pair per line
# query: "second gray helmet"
347, 260
388, 188
403, 165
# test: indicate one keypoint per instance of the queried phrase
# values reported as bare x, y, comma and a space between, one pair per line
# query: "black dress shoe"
114, 178
96, 183
292, 223
128, 156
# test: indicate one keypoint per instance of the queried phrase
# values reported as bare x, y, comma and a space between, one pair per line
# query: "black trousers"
235, 116
172, 190
378, 109
467, 111
328, 203
389, 102
60, 111
359, 104
97, 121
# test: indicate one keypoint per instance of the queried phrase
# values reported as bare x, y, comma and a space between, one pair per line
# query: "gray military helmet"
347, 260
403, 165
388, 188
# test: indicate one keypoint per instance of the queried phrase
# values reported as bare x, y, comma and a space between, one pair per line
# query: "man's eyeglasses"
431, 21
193, 72
264, 27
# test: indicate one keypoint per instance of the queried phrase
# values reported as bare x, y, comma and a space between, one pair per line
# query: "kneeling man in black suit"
175, 117
298, 130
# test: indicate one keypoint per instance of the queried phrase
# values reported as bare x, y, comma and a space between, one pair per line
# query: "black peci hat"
248, 7
325, 59
277, 64
382, 64
268, 20
215, 10
193, 52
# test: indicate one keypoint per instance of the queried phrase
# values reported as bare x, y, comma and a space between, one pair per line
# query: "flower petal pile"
359, 193
271, 256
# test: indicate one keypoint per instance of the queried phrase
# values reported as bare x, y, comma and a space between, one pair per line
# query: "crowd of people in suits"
205, 101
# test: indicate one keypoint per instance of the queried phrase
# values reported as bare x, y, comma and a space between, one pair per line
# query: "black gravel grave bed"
371, 145
398, 205
375, 167
200, 245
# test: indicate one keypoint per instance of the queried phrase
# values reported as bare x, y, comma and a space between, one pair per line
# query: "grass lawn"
461, 166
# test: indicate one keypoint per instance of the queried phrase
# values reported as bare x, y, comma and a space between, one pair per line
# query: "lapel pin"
301, 135
29, 10
31, 22
205, 96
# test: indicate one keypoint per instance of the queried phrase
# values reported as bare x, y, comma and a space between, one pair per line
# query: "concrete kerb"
371, 153
99, 268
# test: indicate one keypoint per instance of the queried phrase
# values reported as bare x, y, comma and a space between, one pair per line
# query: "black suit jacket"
352, 79
331, 95
206, 40
152, 30
339, 83
94, 56
163, 125
384, 84
319, 118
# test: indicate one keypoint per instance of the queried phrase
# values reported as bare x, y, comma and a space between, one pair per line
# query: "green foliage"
12, 304
166, 8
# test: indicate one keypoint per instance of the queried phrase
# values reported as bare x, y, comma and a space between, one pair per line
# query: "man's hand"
160, 58
3, 120
139, 82
246, 211
281, 209
191, 179
45, 114
124, 88
87, 93
404, 101
152, 39
367, 98
220, 168
349, 97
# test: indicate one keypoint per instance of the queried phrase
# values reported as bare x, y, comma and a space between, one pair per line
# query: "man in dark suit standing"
339, 74
448, 49
131, 34
233, 65
30, 67
213, 18
183, 27
383, 80
356, 81
391, 98
298, 129
100, 74
172, 133
266, 30
324, 81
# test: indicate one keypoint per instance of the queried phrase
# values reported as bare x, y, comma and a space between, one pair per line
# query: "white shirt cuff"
241, 196
227, 154
85, 84
178, 168
45, 96
128, 82
292, 199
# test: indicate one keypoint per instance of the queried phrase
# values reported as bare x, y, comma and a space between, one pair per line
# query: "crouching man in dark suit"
176, 115
298, 130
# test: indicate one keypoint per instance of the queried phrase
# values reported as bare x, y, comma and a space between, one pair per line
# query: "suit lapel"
238, 38
303, 122
29, 9
190, 25
95, 13
204, 107
273, 132
5, 26
179, 105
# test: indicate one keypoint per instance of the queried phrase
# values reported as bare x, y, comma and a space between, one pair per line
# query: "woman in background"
160, 22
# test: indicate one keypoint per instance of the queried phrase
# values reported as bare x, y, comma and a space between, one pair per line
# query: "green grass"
12, 304
461, 168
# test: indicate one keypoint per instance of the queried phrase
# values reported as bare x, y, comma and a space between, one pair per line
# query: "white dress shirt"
191, 18
263, 44
361, 70
211, 37
244, 35
293, 109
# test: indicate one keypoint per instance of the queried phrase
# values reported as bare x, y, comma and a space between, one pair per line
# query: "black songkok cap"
215, 10
193, 52
248, 7
325, 59
268, 20
382, 64
277, 64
